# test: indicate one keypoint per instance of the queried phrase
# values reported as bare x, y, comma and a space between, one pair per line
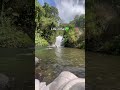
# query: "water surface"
55, 60
102, 71
18, 66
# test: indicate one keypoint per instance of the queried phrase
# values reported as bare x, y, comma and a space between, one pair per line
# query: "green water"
55, 60
102, 71
18, 66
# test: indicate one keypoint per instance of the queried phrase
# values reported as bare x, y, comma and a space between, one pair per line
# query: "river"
102, 71
18, 66
55, 60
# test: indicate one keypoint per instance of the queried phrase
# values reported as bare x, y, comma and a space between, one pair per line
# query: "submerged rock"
3, 82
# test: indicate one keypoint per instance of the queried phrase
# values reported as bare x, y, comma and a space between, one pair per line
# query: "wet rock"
4, 82
67, 81
80, 72
40, 85
38, 75
37, 61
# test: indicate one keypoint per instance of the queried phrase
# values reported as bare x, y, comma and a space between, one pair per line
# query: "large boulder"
65, 81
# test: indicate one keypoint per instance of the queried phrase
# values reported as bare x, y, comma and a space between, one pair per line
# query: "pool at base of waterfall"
55, 60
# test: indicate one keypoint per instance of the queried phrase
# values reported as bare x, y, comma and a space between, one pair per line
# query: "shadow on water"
18, 66
102, 71
55, 60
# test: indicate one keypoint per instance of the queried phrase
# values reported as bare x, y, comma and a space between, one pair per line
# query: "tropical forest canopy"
102, 26
17, 23
47, 17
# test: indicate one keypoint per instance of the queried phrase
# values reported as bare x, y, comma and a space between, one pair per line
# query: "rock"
37, 61
80, 72
39, 76
37, 84
76, 84
67, 81
3, 81
40, 85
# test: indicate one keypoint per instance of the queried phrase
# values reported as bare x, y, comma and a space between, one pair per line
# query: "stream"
18, 66
55, 60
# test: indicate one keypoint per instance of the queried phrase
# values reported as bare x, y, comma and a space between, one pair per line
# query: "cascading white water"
59, 40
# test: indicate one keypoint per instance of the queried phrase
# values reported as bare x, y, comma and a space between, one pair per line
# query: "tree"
46, 18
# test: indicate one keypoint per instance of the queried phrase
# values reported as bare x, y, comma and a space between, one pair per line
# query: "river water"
18, 66
55, 60
102, 71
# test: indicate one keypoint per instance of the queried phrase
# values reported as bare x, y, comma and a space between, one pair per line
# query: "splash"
59, 40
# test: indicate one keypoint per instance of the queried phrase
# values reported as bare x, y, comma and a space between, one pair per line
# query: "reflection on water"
58, 52
18, 66
56, 60
102, 71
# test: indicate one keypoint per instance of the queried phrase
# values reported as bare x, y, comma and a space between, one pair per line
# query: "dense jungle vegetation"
17, 23
103, 26
47, 17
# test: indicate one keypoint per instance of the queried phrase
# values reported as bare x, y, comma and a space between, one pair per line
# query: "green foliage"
39, 41
112, 47
10, 37
46, 18
16, 24
75, 36
79, 21
102, 26
81, 45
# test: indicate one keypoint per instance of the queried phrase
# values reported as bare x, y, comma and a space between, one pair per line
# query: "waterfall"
59, 40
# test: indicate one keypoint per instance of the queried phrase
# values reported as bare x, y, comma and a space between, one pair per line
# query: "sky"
50, 2
67, 9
